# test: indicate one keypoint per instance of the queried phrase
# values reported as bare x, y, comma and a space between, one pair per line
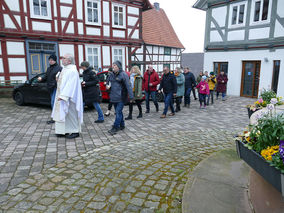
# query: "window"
167, 51
118, 55
261, 11
118, 16
93, 12
275, 77
237, 14
93, 56
220, 66
40, 9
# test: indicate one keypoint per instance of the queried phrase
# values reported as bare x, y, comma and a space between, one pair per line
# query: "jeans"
211, 94
168, 103
119, 120
187, 96
223, 94
153, 96
52, 97
202, 98
99, 110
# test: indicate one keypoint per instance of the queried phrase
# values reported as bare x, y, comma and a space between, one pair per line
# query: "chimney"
157, 6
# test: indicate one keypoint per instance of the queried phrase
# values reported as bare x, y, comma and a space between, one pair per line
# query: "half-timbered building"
245, 38
161, 46
100, 31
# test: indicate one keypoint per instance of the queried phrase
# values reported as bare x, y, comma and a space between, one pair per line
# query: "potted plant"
264, 99
262, 148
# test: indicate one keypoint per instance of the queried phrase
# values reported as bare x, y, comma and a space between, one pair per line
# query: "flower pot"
261, 166
250, 112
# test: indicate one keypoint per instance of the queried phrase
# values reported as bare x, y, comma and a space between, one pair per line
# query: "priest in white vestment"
68, 107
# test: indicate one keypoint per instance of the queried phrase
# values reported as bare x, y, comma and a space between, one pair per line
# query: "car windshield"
35, 79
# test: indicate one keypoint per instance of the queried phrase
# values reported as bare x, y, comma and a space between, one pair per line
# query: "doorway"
250, 78
38, 54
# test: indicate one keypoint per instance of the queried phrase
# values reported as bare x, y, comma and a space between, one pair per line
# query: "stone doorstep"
218, 184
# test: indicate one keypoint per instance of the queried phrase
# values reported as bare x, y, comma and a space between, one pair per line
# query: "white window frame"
124, 15
238, 14
48, 17
123, 55
99, 13
252, 22
99, 54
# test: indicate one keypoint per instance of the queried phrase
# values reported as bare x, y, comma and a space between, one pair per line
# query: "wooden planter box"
260, 165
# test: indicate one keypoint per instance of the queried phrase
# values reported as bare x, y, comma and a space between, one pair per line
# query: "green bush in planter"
267, 132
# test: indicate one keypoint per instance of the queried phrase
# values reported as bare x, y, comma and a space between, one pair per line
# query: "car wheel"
19, 98
159, 97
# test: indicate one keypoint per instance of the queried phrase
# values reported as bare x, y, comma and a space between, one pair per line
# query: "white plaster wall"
161, 50
132, 20
235, 59
55, 8
279, 30
133, 10
25, 5
0, 49
118, 33
106, 56
236, 35
135, 35
155, 50
17, 64
66, 1
139, 50
140, 57
79, 5
55, 26
167, 58
15, 48
8, 22
280, 6
41, 26
259, 33
93, 31
215, 36
27, 23
161, 57
173, 51
70, 28
13, 5
150, 49
106, 12
155, 58
1, 66
66, 48
18, 78
106, 30
219, 15
80, 28
2, 78
65, 11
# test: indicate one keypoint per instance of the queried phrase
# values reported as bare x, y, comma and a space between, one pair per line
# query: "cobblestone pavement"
143, 168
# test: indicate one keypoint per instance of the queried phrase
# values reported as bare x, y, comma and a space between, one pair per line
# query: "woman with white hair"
136, 85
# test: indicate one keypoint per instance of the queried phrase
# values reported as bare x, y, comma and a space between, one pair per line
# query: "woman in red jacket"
222, 80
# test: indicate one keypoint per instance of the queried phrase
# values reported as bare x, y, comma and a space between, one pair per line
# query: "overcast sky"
189, 23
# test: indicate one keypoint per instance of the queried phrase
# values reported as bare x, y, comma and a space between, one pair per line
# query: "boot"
129, 117
140, 115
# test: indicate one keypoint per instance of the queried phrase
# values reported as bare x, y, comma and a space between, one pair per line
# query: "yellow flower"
269, 152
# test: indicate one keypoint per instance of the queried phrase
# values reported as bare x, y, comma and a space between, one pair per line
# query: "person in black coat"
189, 85
50, 78
91, 90
169, 86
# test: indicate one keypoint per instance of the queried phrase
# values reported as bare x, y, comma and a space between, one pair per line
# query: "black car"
32, 91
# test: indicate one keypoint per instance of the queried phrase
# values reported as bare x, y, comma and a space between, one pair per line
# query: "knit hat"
85, 64
211, 73
118, 63
53, 57
204, 77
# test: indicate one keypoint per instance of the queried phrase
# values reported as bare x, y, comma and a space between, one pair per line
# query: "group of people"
69, 94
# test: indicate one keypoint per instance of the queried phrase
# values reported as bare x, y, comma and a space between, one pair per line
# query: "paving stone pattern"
141, 169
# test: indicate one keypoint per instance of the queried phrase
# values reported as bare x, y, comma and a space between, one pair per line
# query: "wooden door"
250, 79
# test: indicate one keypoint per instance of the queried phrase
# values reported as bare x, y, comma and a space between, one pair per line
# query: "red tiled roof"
157, 29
